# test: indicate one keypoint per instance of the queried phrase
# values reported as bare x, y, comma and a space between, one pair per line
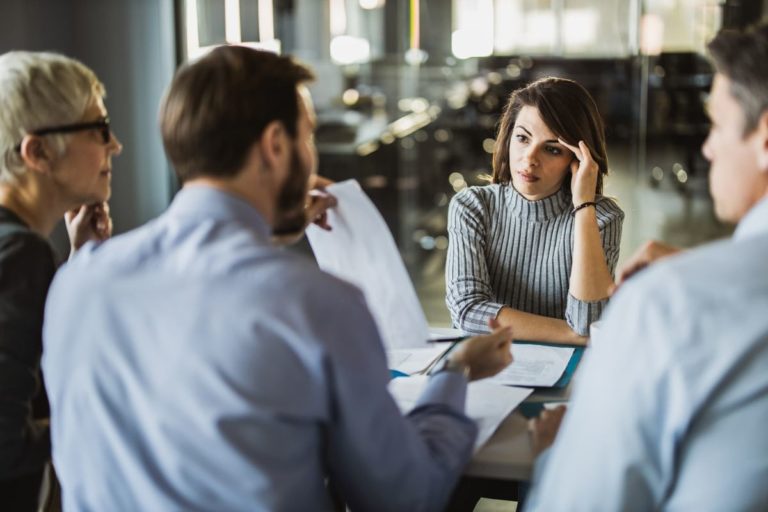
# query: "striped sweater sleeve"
469, 295
578, 313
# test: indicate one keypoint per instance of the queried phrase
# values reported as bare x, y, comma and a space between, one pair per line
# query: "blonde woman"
55, 160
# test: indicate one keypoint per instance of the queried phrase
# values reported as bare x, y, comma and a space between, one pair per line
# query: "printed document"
446, 334
487, 403
415, 360
360, 249
534, 365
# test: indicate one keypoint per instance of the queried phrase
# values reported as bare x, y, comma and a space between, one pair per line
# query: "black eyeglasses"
102, 125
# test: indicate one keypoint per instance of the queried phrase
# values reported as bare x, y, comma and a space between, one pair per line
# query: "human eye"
554, 150
522, 138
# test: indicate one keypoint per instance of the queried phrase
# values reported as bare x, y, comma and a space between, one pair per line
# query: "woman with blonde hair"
55, 160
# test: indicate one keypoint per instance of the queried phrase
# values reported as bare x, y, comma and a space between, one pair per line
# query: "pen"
445, 340
442, 356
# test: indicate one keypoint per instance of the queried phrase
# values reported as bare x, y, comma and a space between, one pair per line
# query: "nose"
530, 155
115, 147
706, 148
314, 161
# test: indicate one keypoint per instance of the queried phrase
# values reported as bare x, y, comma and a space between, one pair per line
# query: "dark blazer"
27, 266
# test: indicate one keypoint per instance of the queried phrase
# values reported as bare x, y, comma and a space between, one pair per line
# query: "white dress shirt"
671, 409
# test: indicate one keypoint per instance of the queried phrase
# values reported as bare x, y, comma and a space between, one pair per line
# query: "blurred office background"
409, 92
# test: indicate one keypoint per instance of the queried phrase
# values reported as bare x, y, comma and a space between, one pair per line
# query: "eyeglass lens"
106, 133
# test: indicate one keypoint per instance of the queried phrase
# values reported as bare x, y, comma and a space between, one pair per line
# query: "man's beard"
290, 216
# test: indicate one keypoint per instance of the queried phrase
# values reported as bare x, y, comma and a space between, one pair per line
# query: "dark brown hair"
219, 105
743, 58
567, 109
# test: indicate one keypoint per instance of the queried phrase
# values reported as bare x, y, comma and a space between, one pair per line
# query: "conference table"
505, 462
507, 455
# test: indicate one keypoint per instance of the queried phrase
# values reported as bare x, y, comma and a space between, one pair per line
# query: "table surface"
507, 455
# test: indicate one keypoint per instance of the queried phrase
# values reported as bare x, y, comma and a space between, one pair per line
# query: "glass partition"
409, 93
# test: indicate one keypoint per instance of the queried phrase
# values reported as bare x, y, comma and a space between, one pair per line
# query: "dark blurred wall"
739, 14
130, 45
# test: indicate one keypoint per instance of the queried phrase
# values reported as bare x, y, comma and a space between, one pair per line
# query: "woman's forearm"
527, 326
590, 277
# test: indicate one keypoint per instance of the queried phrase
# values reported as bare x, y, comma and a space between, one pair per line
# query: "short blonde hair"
39, 90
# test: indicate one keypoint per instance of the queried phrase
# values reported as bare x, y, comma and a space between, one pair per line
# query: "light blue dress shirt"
192, 366
671, 409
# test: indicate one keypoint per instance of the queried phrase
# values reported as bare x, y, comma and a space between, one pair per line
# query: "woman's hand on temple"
584, 172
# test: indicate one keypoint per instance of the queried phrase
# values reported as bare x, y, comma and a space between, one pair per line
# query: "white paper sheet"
487, 403
535, 365
446, 333
360, 249
414, 360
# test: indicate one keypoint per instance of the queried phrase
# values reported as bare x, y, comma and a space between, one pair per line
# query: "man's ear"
36, 155
761, 141
274, 145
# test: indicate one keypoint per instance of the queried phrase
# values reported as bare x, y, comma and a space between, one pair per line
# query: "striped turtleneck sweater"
507, 251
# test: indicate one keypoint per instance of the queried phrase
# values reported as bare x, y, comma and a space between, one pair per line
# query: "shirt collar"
541, 210
206, 202
754, 222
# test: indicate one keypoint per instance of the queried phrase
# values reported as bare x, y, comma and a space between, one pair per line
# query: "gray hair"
39, 90
742, 57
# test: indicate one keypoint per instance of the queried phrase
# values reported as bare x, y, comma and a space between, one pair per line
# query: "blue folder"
562, 382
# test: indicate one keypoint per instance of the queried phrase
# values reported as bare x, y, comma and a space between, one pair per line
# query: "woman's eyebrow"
526, 130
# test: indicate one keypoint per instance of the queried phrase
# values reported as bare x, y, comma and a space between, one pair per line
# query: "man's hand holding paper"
315, 211
487, 355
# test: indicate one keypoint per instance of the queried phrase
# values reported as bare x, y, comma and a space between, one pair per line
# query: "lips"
528, 178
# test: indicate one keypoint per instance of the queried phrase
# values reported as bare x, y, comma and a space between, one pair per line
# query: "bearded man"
193, 365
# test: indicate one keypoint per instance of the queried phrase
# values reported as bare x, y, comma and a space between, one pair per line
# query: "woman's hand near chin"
88, 222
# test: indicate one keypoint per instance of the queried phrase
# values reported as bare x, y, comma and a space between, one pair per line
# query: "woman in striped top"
537, 247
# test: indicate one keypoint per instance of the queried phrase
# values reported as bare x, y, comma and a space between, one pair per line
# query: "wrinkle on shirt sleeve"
469, 295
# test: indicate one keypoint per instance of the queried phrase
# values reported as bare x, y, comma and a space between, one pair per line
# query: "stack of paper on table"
532, 365
414, 361
446, 334
535, 365
487, 403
